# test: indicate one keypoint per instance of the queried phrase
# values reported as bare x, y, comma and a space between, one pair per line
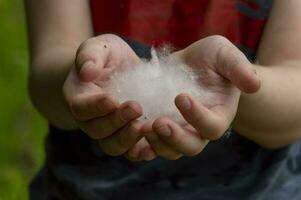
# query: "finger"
148, 154
209, 124
86, 107
91, 58
161, 148
147, 127
233, 65
135, 153
123, 140
184, 141
105, 126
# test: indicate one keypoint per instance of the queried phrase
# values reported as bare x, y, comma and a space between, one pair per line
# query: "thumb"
234, 66
91, 58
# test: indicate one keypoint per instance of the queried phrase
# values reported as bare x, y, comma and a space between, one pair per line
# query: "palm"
223, 72
206, 60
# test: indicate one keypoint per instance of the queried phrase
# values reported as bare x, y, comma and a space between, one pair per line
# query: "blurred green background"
22, 130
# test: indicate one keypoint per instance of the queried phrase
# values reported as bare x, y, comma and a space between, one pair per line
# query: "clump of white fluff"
155, 84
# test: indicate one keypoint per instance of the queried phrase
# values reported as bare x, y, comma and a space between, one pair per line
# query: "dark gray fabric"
230, 168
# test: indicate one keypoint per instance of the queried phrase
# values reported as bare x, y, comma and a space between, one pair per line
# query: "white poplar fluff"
154, 85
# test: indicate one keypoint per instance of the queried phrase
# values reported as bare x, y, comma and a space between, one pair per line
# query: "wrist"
45, 84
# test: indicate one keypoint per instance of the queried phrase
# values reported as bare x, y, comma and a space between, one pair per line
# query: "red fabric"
179, 22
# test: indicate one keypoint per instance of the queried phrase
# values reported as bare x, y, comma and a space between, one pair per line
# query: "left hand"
225, 72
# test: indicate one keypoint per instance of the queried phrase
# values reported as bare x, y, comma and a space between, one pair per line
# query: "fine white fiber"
154, 85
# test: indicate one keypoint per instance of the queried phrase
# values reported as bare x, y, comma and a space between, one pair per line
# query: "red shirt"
181, 22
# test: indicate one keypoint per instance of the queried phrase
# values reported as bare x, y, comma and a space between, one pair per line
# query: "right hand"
97, 113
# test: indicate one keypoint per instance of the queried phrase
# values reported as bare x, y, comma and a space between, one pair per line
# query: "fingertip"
88, 71
183, 102
188, 105
148, 154
162, 121
251, 84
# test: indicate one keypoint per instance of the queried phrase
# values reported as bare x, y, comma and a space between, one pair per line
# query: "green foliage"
21, 129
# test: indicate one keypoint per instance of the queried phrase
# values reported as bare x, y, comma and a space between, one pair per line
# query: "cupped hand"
224, 71
96, 112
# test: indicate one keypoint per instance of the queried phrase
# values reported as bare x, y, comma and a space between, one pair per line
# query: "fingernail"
184, 103
128, 114
164, 130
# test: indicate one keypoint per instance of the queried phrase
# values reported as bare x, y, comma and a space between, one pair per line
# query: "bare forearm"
55, 28
46, 79
272, 116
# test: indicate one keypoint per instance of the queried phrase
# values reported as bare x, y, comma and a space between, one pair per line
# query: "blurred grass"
21, 129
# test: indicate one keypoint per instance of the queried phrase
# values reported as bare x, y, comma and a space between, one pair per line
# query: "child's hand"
97, 113
224, 70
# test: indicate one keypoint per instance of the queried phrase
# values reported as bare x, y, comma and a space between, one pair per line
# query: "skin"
263, 106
